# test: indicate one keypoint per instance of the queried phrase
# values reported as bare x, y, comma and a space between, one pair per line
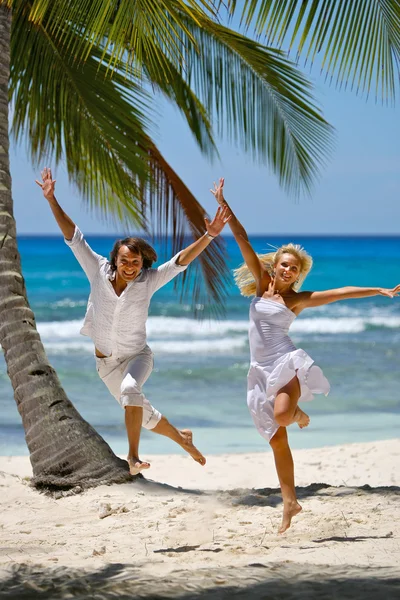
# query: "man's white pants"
125, 377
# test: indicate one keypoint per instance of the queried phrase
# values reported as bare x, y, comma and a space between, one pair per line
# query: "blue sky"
358, 192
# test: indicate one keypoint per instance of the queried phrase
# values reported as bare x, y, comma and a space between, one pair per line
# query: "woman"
280, 375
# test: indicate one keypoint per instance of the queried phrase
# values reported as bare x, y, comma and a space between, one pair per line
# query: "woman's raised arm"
251, 259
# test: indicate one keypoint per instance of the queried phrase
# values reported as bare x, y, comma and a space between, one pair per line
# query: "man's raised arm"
66, 224
89, 260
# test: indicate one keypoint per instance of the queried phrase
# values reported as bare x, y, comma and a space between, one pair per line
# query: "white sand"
222, 515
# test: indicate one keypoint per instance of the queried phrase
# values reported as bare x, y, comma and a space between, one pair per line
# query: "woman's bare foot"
301, 418
136, 465
290, 510
187, 444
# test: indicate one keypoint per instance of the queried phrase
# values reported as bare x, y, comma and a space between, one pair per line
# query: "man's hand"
219, 221
218, 191
47, 184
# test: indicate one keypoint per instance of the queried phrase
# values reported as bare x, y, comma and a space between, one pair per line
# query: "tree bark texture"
65, 451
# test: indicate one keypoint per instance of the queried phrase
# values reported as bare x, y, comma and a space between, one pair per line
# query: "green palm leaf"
357, 40
177, 90
98, 124
260, 101
139, 27
77, 112
170, 203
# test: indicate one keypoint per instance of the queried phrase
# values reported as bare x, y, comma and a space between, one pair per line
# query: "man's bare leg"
285, 470
133, 422
182, 437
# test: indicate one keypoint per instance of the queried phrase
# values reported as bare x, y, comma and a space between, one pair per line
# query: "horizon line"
229, 235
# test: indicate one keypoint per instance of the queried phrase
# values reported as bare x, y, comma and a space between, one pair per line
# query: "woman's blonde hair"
245, 280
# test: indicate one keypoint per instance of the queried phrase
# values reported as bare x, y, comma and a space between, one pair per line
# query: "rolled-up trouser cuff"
132, 400
150, 420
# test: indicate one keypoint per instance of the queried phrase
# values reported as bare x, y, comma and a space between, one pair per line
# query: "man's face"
129, 264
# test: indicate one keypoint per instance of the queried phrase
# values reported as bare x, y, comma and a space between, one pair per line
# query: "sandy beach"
188, 531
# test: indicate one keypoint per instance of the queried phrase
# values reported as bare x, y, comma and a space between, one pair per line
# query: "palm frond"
358, 41
170, 203
127, 29
257, 98
98, 125
260, 101
184, 99
77, 112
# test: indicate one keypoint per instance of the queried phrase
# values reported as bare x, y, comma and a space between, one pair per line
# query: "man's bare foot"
187, 444
289, 511
136, 465
301, 418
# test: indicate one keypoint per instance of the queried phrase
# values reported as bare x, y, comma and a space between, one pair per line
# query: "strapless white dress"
274, 361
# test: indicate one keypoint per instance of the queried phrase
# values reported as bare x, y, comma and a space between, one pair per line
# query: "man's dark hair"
136, 245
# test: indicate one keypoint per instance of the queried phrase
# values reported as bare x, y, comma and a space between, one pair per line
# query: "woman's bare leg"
285, 470
182, 437
286, 410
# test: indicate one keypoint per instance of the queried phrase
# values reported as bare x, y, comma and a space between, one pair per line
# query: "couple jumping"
280, 375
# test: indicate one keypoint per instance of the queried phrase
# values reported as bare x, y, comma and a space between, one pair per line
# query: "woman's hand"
390, 293
47, 184
218, 191
221, 218
270, 292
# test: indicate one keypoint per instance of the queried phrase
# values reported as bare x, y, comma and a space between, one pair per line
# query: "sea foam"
183, 335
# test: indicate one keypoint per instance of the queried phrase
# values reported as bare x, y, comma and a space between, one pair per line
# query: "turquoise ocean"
199, 379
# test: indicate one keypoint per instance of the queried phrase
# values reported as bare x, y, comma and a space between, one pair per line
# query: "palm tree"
71, 108
65, 451
61, 57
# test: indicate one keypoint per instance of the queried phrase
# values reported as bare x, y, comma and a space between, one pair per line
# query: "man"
121, 289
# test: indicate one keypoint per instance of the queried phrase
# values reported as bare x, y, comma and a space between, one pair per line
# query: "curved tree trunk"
65, 451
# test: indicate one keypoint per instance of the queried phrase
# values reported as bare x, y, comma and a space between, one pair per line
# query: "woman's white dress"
274, 361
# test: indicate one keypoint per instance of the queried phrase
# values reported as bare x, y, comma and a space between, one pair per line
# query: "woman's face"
287, 269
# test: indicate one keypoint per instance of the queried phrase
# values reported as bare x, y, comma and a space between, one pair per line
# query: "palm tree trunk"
65, 451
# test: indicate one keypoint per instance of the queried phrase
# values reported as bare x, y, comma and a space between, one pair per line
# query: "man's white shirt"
117, 324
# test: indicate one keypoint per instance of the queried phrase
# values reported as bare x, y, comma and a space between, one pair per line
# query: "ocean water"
199, 379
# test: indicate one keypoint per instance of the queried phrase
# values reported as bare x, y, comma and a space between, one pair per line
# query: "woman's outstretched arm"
310, 299
251, 259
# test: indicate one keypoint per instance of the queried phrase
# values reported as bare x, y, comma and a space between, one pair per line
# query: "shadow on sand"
267, 496
149, 485
272, 496
284, 581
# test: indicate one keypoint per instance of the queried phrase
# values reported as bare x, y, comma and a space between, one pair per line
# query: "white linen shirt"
117, 324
